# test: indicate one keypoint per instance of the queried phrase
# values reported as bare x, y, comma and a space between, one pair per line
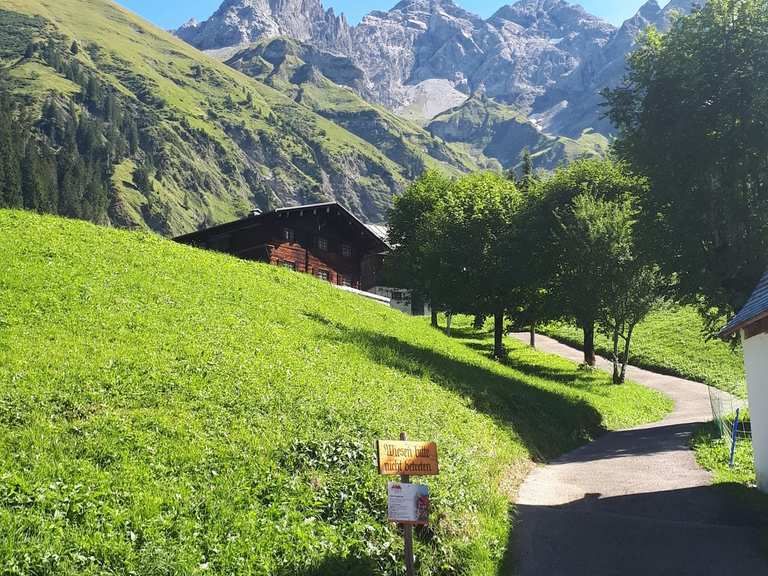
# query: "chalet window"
346, 250
289, 235
288, 265
322, 243
324, 275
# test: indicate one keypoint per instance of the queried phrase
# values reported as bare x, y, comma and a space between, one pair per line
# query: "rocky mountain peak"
543, 14
191, 23
649, 14
424, 10
552, 19
550, 58
650, 9
239, 22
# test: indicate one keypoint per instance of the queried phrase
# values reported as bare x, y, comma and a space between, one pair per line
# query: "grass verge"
713, 453
165, 410
671, 341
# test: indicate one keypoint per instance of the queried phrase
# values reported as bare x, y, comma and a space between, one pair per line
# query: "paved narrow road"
635, 502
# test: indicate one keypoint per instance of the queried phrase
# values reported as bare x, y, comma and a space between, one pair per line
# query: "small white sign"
408, 503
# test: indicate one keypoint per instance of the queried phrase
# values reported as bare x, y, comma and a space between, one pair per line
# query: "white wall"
756, 361
401, 300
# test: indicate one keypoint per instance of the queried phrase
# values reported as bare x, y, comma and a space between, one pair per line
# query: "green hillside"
495, 132
170, 411
673, 341
324, 82
149, 132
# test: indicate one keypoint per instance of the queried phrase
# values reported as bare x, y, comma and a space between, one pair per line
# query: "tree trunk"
434, 318
625, 362
616, 375
448, 322
479, 322
533, 335
589, 344
498, 335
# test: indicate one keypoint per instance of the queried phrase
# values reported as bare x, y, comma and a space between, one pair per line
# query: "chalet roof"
380, 230
256, 216
755, 309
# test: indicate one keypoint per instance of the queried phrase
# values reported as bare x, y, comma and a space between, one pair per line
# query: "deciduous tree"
578, 239
692, 116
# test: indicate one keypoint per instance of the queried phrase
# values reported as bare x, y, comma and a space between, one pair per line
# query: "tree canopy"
692, 116
453, 241
580, 240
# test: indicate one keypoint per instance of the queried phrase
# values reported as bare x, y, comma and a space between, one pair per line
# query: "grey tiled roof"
755, 309
380, 230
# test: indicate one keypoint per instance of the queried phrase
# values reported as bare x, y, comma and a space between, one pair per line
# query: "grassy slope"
672, 341
171, 411
563, 149
298, 154
491, 130
399, 139
713, 453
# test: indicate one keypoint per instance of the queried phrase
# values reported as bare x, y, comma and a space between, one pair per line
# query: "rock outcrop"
240, 22
545, 58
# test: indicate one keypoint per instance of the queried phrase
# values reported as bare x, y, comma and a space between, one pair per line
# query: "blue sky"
173, 13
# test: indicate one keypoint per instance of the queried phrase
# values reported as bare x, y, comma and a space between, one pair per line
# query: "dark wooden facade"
325, 240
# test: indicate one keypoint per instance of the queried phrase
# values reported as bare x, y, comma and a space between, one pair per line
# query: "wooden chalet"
325, 240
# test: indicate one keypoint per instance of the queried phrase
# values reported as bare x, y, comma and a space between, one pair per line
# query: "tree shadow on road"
694, 531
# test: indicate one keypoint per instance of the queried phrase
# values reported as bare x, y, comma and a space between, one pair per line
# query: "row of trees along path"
680, 212
531, 249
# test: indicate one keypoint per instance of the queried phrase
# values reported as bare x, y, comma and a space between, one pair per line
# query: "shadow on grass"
567, 377
547, 423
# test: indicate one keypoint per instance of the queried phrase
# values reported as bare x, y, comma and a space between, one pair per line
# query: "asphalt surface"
635, 502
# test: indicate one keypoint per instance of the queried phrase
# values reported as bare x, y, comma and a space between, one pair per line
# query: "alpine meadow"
171, 411
420, 293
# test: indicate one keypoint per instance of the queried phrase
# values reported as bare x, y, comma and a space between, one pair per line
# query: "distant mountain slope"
324, 83
206, 142
549, 59
494, 131
241, 22
574, 103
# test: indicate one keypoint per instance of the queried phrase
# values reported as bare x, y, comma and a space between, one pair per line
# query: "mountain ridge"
190, 141
545, 58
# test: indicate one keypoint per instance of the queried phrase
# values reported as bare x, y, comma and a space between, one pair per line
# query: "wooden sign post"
407, 459
410, 560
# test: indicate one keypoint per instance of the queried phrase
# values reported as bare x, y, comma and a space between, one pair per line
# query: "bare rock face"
549, 59
239, 22
419, 40
574, 103
514, 56
543, 41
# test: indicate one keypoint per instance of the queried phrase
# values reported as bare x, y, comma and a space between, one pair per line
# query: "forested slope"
108, 118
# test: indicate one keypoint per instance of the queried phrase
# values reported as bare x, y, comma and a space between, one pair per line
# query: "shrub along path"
635, 501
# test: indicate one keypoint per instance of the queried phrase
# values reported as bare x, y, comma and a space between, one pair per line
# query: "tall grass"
673, 341
165, 410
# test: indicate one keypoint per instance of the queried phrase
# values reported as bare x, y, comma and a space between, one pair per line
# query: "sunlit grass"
165, 410
673, 341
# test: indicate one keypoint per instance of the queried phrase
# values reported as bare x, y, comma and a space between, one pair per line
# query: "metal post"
410, 562
734, 437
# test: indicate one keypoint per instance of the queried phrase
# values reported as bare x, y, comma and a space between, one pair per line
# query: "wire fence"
731, 415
